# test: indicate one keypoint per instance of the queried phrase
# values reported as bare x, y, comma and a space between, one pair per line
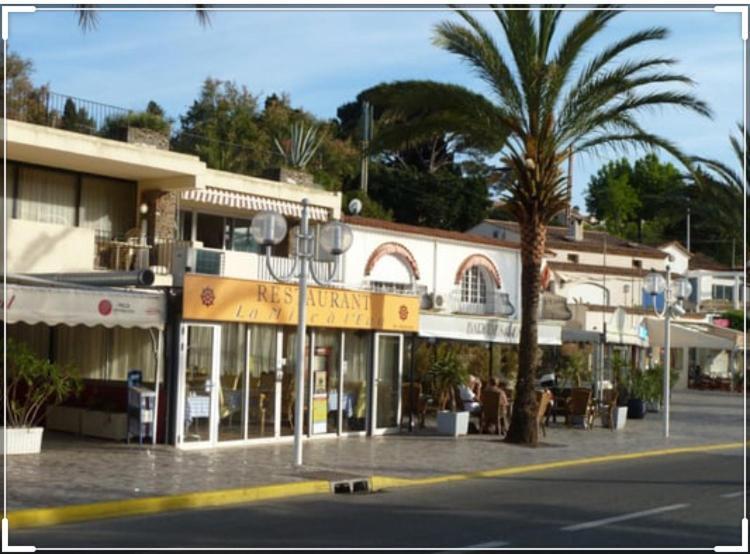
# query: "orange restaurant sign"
237, 300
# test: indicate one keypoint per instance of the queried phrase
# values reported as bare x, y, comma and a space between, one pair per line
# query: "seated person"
468, 397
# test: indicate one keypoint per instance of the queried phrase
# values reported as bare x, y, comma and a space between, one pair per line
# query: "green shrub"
447, 372
115, 126
33, 383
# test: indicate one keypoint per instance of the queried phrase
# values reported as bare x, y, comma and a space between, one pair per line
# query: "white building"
469, 286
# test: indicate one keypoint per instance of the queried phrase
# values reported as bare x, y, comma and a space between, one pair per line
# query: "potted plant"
638, 391
620, 414
34, 383
654, 389
447, 373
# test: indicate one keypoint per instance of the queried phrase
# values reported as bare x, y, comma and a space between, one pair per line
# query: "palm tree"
88, 17
549, 105
721, 192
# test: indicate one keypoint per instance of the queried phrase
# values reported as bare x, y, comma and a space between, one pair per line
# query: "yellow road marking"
379, 483
37, 517
40, 517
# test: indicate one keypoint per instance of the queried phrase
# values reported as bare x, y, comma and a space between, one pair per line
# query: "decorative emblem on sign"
105, 307
403, 312
208, 296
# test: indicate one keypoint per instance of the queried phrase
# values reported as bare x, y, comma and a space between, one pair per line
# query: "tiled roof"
638, 310
599, 269
701, 261
593, 241
427, 231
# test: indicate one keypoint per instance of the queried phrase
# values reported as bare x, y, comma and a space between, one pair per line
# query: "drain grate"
352, 486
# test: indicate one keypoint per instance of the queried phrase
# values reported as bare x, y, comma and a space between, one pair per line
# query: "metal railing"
283, 265
497, 303
44, 107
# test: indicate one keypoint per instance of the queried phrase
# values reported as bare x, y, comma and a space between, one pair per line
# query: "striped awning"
251, 202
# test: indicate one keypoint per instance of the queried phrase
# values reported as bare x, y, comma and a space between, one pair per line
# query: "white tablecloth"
196, 406
333, 402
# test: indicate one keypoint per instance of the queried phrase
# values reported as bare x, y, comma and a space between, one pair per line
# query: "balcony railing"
283, 265
44, 107
498, 304
177, 257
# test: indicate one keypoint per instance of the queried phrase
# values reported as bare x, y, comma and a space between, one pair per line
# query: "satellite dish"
355, 206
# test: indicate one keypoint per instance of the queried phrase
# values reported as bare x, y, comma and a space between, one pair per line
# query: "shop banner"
485, 329
209, 298
69, 306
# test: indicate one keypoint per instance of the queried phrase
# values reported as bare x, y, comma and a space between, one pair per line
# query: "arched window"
474, 286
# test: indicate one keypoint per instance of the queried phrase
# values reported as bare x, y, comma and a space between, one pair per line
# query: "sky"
325, 58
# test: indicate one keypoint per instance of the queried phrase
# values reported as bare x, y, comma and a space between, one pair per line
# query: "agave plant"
299, 149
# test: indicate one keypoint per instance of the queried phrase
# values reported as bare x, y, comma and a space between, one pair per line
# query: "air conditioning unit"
432, 301
438, 302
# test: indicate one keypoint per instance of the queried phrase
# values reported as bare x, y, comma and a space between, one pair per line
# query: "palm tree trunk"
523, 427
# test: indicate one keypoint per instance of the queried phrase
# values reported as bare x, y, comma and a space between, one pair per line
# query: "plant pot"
652, 407
24, 440
452, 423
620, 415
636, 408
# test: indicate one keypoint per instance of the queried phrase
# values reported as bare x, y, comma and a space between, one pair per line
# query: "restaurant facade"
236, 366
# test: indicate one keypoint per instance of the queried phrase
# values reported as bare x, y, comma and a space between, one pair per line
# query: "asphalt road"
673, 501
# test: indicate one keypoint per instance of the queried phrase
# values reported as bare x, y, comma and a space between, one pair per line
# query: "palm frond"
88, 18
480, 51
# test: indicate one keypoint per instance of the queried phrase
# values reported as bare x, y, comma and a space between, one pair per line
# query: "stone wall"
147, 137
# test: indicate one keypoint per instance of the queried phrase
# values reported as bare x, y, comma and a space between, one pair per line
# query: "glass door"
200, 353
386, 399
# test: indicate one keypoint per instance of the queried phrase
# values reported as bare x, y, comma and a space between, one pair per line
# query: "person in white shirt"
469, 397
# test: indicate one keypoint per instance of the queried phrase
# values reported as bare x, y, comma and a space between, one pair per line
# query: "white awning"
687, 335
484, 329
251, 202
71, 306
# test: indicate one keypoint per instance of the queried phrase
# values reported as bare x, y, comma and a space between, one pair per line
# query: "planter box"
453, 424
652, 407
24, 440
105, 425
620, 416
636, 408
64, 418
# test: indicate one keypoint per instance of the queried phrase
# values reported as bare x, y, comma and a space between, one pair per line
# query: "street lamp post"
269, 228
674, 294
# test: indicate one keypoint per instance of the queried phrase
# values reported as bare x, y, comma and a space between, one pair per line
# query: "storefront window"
357, 356
232, 391
287, 382
326, 382
262, 366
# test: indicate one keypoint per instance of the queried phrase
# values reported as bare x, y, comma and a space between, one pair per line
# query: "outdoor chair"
609, 406
493, 414
543, 399
413, 402
579, 404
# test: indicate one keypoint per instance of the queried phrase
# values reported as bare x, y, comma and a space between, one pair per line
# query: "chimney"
575, 226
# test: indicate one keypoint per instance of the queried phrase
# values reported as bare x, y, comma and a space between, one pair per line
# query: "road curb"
380, 483
42, 517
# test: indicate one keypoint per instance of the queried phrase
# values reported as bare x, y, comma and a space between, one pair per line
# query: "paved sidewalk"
74, 471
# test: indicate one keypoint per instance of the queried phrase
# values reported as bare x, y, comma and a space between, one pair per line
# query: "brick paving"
72, 470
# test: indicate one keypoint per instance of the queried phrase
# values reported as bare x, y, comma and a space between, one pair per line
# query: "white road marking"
732, 494
624, 517
482, 546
